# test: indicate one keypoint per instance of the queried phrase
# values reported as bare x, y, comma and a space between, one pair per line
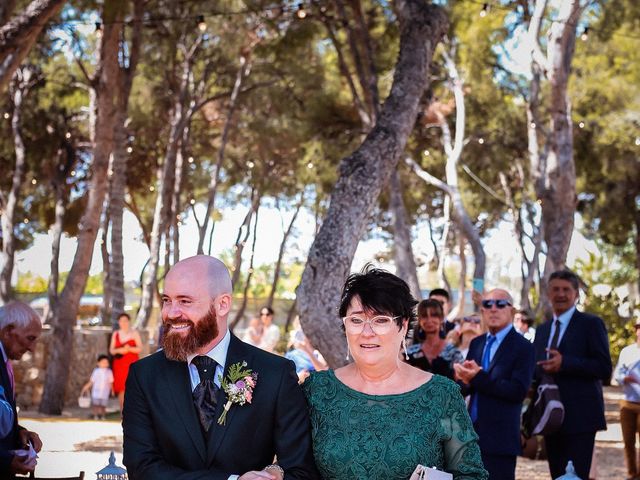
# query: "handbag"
423, 473
84, 400
545, 413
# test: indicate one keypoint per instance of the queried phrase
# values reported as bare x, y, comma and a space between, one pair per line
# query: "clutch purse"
423, 473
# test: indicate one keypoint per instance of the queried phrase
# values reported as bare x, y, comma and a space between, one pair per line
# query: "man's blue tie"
486, 360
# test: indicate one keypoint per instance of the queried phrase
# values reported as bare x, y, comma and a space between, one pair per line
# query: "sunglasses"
500, 304
475, 320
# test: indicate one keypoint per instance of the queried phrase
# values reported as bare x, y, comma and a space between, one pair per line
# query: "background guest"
430, 352
20, 328
125, 348
523, 324
253, 333
497, 373
470, 327
302, 353
627, 374
271, 334
442, 296
101, 385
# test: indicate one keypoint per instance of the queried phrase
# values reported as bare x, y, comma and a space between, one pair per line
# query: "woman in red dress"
125, 348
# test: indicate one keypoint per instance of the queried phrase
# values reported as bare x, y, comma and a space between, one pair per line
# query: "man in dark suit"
172, 417
20, 328
574, 348
497, 373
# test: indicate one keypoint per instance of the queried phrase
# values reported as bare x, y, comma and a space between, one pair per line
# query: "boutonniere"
238, 386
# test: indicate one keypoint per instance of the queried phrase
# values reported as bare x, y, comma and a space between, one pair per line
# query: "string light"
26, 220
6, 115
202, 25
190, 160
99, 29
192, 201
585, 34
250, 164
481, 141
152, 188
581, 125
485, 10
532, 124
73, 173
129, 149
34, 181
426, 153
637, 141
67, 135
301, 11
310, 165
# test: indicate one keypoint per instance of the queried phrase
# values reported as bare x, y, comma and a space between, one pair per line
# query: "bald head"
497, 309
205, 270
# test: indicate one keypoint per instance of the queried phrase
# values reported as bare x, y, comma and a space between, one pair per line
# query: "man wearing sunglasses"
497, 373
573, 347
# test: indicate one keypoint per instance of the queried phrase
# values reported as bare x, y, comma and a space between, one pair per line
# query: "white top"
101, 382
629, 357
270, 338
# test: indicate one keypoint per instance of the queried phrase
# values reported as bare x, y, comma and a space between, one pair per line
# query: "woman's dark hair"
124, 314
381, 292
441, 292
268, 309
430, 304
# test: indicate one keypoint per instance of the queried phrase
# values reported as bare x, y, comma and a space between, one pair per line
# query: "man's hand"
261, 475
21, 465
26, 436
629, 379
466, 371
553, 364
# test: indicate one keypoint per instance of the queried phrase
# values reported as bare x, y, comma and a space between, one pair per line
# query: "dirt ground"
73, 443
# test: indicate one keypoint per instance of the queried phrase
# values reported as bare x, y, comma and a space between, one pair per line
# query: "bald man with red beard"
173, 409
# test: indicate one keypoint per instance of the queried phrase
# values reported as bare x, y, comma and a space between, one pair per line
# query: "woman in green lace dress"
377, 418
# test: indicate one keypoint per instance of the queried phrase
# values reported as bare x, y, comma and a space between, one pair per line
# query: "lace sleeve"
461, 450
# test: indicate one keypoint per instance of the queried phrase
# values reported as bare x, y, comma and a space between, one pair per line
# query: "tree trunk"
179, 119
243, 235
6, 10
105, 308
553, 169
18, 36
120, 158
103, 116
215, 175
362, 177
403, 252
637, 222
247, 283
458, 309
20, 88
278, 267
176, 206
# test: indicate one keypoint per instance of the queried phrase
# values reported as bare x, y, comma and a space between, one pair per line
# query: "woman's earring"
347, 357
404, 347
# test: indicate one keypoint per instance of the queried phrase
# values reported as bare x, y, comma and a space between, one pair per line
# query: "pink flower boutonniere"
238, 386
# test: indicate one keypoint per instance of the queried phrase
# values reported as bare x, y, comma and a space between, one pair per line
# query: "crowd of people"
419, 389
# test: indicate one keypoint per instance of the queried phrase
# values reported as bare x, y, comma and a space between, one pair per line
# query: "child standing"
101, 384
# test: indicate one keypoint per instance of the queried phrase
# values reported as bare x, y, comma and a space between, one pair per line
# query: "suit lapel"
504, 346
236, 353
177, 380
570, 330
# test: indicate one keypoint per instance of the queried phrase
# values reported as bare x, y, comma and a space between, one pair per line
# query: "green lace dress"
357, 436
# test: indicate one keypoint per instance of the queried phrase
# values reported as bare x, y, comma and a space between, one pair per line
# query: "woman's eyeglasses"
380, 324
500, 304
475, 320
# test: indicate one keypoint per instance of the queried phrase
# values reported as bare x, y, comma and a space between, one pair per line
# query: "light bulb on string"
637, 142
301, 11
6, 115
481, 141
34, 181
129, 149
202, 25
581, 125
67, 135
485, 10
585, 34
99, 29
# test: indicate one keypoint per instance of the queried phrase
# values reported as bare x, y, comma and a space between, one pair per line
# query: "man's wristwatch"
275, 467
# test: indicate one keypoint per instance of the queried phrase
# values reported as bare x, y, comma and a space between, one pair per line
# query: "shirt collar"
4, 354
501, 334
218, 352
564, 317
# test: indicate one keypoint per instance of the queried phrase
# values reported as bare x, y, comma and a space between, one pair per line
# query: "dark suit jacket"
163, 438
586, 363
501, 391
10, 442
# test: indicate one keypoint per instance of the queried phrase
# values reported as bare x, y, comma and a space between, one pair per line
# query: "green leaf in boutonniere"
238, 385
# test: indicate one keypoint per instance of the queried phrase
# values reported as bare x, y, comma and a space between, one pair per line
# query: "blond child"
101, 385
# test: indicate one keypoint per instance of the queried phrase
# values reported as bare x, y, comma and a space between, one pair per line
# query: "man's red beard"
178, 347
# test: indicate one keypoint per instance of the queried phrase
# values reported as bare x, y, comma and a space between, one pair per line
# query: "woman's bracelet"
273, 466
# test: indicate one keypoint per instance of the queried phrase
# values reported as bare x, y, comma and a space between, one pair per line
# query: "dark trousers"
500, 467
575, 447
630, 424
